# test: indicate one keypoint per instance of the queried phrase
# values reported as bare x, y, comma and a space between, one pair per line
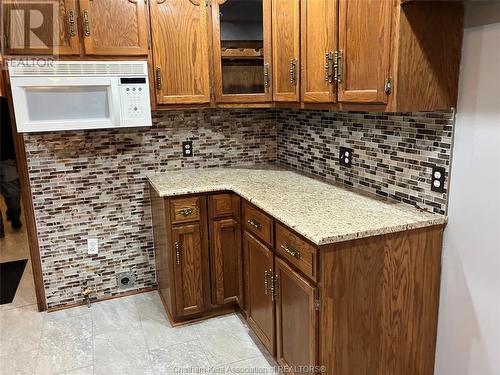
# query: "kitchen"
242, 183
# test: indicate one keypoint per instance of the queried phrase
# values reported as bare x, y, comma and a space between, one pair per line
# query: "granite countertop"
321, 212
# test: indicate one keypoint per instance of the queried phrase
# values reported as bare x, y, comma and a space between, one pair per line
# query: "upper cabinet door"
365, 44
57, 36
180, 49
286, 50
242, 50
115, 27
318, 36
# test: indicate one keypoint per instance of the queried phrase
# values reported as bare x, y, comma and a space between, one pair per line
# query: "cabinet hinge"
158, 78
317, 304
337, 67
274, 287
388, 86
329, 63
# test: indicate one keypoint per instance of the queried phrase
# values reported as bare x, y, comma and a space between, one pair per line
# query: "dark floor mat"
10, 276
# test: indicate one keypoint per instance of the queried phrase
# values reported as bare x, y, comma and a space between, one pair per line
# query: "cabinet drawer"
258, 223
183, 210
222, 205
297, 251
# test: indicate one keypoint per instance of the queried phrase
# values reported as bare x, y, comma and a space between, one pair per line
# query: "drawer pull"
290, 250
177, 253
186, 211
254, 223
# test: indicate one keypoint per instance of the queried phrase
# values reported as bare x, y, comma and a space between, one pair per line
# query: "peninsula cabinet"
242, 55
362, 306
181, 41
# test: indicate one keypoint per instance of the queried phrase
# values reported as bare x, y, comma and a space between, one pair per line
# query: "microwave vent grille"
79, 69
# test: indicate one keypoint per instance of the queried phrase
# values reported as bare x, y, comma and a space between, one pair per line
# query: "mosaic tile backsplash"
92, 184
89, 184
393, 153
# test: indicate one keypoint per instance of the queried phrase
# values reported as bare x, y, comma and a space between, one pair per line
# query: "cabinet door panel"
318, 35
115, 27
260, 306
187, 250
364, 39
226, 260
180, 48
57, 36
242, 51
286, 50
296, 320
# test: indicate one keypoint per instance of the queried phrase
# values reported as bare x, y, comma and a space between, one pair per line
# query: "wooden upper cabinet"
296, 320
365, 43
58, 36
286, 50
117, 27
242, 51
181, 39
318, 46
187, 247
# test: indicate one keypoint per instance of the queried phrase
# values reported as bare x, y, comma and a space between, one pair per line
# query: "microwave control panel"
135, 105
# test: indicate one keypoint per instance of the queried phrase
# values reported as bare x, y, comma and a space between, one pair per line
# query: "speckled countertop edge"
424, 219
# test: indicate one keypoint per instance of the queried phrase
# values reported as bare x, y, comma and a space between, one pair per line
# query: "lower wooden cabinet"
188, 269
296, 320
225, 256
259, 262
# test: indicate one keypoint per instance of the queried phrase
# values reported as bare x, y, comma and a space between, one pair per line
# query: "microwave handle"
115, 110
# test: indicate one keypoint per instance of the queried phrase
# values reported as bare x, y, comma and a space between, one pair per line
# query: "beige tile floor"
129, 335
14, 246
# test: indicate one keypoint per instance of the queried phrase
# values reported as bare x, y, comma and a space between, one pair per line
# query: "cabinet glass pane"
242, 47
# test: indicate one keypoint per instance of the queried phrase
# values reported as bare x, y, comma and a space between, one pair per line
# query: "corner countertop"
321, 212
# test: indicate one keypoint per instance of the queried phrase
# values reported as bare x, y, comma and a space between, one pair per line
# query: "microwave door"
65, 103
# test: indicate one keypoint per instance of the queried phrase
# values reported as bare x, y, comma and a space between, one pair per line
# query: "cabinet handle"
266, 75
186, 211
274, 287
293, 71
254, 223
290, 250
177, 253
71, 23
158, 78
337, 67
86, 23
267, 288
329, 67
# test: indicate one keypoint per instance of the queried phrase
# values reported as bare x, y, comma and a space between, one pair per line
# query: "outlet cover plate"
92, 246
438, 178
187, 149
345, 156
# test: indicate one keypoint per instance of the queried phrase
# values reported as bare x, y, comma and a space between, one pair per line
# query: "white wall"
469, 319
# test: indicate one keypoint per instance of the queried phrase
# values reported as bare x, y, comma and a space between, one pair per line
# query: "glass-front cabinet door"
242, 51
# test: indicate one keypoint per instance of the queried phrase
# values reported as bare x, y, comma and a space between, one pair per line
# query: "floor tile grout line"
148, 352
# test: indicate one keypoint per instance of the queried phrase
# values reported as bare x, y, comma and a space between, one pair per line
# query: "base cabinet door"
188, 269
296, 320
260, 303
225, 256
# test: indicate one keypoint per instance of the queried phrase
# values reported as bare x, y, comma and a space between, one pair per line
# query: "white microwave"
75, 95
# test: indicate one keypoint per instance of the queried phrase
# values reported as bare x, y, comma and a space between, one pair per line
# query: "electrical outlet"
438, 176
92, 246
187, 148
345, 156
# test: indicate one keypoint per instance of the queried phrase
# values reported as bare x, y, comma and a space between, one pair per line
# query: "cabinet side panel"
379, 303
430, 47
161, 236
